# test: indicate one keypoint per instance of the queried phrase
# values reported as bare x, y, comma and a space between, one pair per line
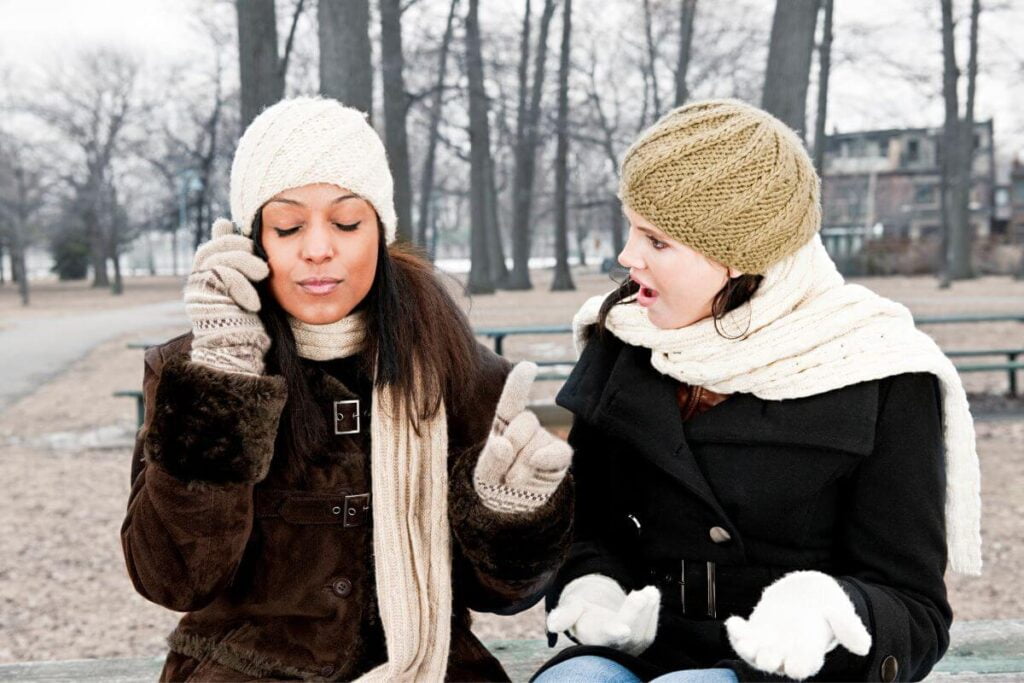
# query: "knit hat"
307, 140
727, 179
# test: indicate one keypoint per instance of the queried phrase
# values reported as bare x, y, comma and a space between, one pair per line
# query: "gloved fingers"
516, 393
803, 664
741, 637
547, 463
850, 631
251, 266
635, 606
601, 627
522, 430
647, 627
769, 659
495, 460
221, 228
221, 245
562, 618
239, 288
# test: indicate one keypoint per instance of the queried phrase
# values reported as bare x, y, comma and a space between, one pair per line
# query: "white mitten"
596, 611
222, 303
799, 619
521, 464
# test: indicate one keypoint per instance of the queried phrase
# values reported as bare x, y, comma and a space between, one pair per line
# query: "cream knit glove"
221, 302
596, 611
799, 619
521, 464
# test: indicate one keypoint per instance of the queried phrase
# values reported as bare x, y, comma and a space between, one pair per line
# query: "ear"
734, 273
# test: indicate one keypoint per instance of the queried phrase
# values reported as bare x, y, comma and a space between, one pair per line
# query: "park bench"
558, 370
980, 651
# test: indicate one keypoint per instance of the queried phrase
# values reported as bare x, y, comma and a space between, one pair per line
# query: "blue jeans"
593, 669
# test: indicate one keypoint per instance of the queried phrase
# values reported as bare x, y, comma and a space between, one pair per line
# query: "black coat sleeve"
894, 535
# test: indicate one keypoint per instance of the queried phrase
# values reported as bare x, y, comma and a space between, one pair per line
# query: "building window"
913, 150
924, 194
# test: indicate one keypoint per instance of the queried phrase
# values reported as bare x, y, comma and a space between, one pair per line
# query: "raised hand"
521, 464
222, 302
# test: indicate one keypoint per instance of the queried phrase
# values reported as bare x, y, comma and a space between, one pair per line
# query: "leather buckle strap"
300, 507
697, 586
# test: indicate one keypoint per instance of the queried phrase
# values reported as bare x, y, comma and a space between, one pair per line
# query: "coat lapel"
618, 391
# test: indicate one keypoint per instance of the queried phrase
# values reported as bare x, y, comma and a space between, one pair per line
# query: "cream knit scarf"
809, 333
411, 544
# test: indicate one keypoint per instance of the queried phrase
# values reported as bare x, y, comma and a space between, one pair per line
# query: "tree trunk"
962, 237
789, 62
824, 67
525, 160
615, 225
479, 269
18, 235
687, 11
97, 243
495, 247
952, 217
395, 108
437, 103
652, 66
346, 71
563, 276
259, 69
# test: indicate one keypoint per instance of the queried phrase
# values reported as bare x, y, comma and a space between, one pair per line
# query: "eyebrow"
294, 202
652, 233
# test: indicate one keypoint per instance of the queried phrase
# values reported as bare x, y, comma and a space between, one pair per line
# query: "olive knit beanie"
307, 140
727, 179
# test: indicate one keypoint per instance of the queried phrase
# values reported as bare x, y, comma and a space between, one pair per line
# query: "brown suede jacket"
272, 563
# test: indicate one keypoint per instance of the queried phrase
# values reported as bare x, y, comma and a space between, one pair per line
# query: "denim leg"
698, 676
588, 669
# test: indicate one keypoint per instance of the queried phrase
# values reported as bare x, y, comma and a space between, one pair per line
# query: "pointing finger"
516, 393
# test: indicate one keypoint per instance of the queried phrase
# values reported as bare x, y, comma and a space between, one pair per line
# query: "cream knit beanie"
307, 140
727, 179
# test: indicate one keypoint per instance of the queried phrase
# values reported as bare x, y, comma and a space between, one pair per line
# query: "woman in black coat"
772, 467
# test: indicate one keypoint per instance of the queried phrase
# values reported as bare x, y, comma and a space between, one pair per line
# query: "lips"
647, 295
319, 286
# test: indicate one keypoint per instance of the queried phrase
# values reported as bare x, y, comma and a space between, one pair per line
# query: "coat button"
327, 671
719, 535
341, 587
890, 669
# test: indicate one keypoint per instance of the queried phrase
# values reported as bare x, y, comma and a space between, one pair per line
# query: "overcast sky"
37, 32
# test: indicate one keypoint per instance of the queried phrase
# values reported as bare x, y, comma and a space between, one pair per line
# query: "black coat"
850, 482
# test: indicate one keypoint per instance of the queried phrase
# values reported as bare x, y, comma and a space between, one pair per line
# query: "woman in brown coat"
331, 471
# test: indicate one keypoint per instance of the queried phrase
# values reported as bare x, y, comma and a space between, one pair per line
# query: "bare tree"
563, 277
525, 153
957, 152
824, 67
652, 61
789, 62
436, 106
396, 107
261, 72
687, 12
480, 153
23, 186
346, 72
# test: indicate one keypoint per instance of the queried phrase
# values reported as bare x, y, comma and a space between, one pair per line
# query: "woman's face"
677, 283
321, 243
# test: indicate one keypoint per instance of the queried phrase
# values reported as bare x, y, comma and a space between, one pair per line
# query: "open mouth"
646, 296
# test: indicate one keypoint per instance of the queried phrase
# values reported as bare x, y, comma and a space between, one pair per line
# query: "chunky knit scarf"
411, 544
806, 332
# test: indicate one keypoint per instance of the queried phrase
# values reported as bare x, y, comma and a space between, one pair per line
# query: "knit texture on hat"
727, 179
308, 140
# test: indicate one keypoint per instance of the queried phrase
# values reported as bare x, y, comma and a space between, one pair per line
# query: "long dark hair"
733, 294
412, 325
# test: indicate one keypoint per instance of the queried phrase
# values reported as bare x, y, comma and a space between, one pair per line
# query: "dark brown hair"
412, 323
733, 294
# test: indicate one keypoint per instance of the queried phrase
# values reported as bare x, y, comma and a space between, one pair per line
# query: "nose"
317, 247
630, 257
